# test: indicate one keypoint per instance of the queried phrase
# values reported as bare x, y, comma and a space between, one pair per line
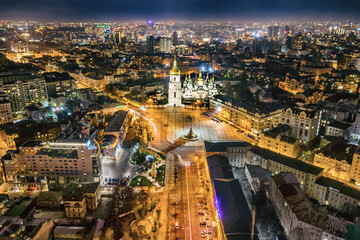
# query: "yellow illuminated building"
253, 119
279, 140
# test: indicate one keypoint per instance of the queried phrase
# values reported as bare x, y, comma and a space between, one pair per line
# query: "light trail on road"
187, 195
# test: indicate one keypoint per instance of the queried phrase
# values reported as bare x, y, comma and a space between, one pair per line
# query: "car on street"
176, 225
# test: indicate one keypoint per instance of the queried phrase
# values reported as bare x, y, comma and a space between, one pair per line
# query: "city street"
119, 168
185, 197
187, 206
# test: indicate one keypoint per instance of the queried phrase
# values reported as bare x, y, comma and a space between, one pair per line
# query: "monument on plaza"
190, 136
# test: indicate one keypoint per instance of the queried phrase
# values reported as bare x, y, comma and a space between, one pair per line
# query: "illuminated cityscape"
190, 120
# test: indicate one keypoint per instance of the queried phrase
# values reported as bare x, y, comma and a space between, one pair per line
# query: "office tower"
116, 37
276, 31
260, 45
270, 32
282, 32
289, 42
175, 39
165, 45
150, 44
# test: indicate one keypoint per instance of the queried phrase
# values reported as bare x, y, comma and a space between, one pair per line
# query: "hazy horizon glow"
111, 10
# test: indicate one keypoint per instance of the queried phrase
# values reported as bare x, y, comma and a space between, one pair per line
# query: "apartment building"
336, 159
279, 140
254, 118
276, 163
336, 194
90, 191
53, 162
5, 109
297, 215
23, 90
235, 151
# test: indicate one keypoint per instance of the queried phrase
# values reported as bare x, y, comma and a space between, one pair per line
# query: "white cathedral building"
199, 88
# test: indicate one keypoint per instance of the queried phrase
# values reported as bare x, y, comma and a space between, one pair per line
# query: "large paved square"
202, 126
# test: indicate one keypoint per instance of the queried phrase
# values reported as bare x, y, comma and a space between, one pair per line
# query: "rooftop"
258, 172
219, 167
116, 121
258, 108
287, 161
232, 207
281, 128
221, 146
340, 125
341, 187
70, 230
339, 150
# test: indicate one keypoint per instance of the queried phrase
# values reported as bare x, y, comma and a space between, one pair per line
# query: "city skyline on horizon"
201, 10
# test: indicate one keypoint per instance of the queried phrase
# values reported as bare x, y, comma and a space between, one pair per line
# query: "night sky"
109, 10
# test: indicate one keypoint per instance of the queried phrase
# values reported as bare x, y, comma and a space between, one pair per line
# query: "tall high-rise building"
282, 32
175, 39
175, 91
165, 45
276, 31
5, 109
150, 44
116, 37
270, 32
289, 42
23, 90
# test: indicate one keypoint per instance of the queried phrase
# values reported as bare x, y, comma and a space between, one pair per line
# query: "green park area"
140, 181
159, 175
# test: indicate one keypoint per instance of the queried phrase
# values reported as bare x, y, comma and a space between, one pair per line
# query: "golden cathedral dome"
175, 70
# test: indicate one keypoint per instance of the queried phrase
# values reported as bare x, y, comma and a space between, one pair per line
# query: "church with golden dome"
197, 88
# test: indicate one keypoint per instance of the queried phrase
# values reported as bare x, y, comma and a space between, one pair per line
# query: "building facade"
297, 216
279, 140
276, 163
355, 167
235, 151
336, 159
200, 88
55, 162
23, 91
75, 204
304, 122
252, 118
6, 115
